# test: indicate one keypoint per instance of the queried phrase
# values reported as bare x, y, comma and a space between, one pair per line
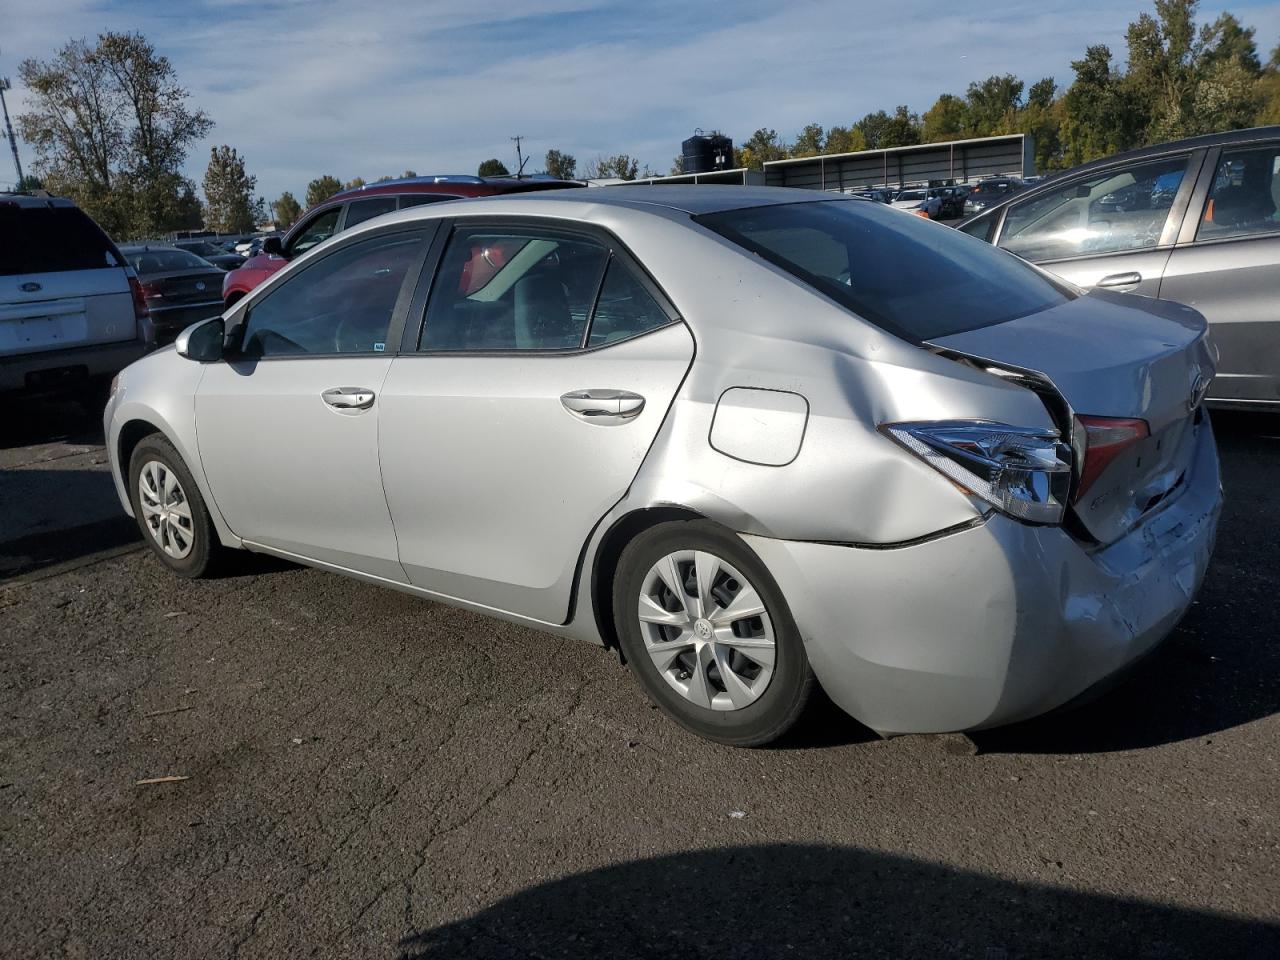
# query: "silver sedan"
757, 440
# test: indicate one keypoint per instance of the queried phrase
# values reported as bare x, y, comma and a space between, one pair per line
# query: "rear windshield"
162, 261
916, 279
51, 240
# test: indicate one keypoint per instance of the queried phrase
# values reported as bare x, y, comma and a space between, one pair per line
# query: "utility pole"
519, 156
8, 128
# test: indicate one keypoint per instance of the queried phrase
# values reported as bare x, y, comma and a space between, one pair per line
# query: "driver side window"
341, 304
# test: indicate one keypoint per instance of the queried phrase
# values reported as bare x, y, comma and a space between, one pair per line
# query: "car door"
1227, 266
288, 426
520, 413
1111, 228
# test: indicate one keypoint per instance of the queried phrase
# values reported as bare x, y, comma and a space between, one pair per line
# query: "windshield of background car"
51, 240
162, 261
915, 279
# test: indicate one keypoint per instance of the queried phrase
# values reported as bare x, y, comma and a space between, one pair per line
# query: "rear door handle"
603, 406
1120, 280
348, 398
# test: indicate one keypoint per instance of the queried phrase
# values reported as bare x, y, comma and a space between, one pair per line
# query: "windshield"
202, 249
916, 279
162, 261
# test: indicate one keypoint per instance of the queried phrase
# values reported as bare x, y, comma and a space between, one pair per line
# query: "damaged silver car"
756, 439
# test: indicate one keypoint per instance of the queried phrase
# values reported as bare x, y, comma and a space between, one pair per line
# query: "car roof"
147, 247
693, 199
458, 184
34, 201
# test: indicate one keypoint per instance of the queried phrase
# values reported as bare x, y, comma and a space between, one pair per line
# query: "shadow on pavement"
33, 420
783, 900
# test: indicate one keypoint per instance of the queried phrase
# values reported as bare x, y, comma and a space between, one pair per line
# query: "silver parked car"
1196, 221
755, 438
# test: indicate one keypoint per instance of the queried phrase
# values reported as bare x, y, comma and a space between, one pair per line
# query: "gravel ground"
372, 775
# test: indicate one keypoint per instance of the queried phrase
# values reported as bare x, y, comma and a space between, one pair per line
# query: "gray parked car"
756, 438
71, 311
1194, 221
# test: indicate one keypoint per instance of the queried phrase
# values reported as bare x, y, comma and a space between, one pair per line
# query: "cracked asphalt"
372, 775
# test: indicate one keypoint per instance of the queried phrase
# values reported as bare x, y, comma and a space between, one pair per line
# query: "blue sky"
373, 87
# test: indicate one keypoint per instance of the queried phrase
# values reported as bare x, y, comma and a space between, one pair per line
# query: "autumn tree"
321, 189
947, 119
562, 166
810, 142
493, 167
287, 210
111, 128
844, 140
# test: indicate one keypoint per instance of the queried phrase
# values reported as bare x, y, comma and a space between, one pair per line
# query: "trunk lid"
53, 311
178, 287
1113, 355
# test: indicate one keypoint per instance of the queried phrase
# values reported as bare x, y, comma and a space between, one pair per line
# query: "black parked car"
990, 191
179, 287
209, 250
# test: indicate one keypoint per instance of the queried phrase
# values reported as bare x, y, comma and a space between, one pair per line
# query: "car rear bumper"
171, 321
996, 623
53, 371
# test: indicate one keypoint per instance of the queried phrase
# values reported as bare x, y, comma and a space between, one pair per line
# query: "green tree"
353, 183
993, 105
1227, 40
228, 192
321, 189
1098, 114
1041, 118
562, 166
111, 128
947, 119
620, 165
844, 140
409, 174
761, 147
810, 142
1268, 91
287, 210
493, 168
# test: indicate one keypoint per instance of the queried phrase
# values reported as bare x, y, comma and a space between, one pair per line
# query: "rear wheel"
169, 509
707, 633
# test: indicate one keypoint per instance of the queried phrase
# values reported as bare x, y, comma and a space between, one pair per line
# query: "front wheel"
169, 509
708, 634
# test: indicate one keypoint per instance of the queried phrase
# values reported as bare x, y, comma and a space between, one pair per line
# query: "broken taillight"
1105, 438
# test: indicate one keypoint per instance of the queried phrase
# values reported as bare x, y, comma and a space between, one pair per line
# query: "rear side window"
51, 240
915, 279
421, 199
625, 308
361, 210
1245, 198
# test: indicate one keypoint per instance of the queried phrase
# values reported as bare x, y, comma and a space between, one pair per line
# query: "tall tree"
947, 119
993, 105
562, 166
761, 147
228, 193
620, 165
493, 168
321, 189
844, 140
287, 210
353, 183
810, 142
111, 128
1099, 114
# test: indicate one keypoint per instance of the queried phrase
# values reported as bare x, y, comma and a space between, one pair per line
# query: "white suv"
71, 311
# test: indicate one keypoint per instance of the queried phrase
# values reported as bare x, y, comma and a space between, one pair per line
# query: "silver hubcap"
707, 630
165, 509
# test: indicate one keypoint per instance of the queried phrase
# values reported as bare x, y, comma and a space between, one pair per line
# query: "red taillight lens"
139, 299
1105, 438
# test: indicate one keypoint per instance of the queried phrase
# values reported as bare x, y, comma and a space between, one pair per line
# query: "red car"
350, 207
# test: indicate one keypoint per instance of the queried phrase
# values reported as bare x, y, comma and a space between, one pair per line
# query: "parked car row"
935, 203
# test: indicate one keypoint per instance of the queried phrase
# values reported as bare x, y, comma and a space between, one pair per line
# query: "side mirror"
273, 246
203, 341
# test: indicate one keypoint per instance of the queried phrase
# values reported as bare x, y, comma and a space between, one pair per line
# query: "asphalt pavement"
365, 774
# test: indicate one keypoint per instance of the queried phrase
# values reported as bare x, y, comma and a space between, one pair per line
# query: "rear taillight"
139, 299
1105, 438
1024, 472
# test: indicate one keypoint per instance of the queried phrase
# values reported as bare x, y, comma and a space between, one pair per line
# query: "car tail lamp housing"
140, 310
1024, 472
1104, 439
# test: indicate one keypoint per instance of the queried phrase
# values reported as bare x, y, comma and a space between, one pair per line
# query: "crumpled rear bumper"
998, 622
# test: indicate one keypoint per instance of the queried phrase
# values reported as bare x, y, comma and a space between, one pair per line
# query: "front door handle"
1120, 280
348, 398
603, 406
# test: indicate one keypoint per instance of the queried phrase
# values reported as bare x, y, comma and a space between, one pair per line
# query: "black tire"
205, 548
784, 698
